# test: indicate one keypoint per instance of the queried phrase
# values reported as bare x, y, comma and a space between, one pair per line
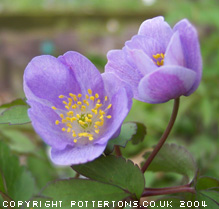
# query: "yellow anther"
69, 130
75, 140
61, 115
156, 56
92, 98
89, 91
109, 106
79, 95
61, 96
64, 102
74, 133
101, 117
69, 104
98, 105
91, 138
57, 122
86, 118
90, 115
73, 119
78, 116
87, 97
70, 100
98, 101
74, 106
109, 116
63, 129
75, 99
106, 98
67, 118
71, 95
79, 103
87, 103
54, 108
83, 134
97, 95
97, 131
83, 106
69, 125
101, 112
95, 111
64, 121
67, 107
81, 122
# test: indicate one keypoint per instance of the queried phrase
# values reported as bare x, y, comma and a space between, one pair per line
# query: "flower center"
159, 59
83, 115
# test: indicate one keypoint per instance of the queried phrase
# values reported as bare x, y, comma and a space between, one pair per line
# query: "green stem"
164, 136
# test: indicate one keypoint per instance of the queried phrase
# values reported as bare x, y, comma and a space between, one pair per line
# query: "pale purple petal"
148, 45
43, 120
85, 72
142, 62
169, 82
117, 64
174, 53
45, 78
191, 48
158, 29
77, 155
121, 104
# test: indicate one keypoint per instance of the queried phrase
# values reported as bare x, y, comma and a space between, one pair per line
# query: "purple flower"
74, 108
159, 63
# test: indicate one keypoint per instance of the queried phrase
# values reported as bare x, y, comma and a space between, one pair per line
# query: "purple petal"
148, 45
190, 44
169, 82
158, 29
118, 65
121, 104
142, 62
174, 53
43, 120
45, 78
113, 84
77, 155
85, 72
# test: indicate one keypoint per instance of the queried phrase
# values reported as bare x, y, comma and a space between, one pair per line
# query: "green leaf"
116, 171
212, 195
18, 141
15, 115
41, 169
14, 103
130, 131
18, 183
82, 190
206, 202
173, 158
204, 183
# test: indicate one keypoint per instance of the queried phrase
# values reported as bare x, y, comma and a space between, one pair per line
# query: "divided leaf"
18, 183
130, 131
13, 103
173, 158
206, 202
15, 115
116, 171
85, 192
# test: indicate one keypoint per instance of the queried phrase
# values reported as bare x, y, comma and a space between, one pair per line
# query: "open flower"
159, 63
74, 108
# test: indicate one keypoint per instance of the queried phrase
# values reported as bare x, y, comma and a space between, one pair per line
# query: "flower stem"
117, 150
164, 136
168, 190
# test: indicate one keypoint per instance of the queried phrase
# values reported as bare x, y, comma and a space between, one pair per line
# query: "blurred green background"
93, 27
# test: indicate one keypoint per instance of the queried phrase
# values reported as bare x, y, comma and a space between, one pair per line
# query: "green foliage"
15, 115
116, 171
133, 131
15, 181
173, 158
81, 190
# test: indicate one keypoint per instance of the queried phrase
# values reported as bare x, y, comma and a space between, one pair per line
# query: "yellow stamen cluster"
159, 59
83, 116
